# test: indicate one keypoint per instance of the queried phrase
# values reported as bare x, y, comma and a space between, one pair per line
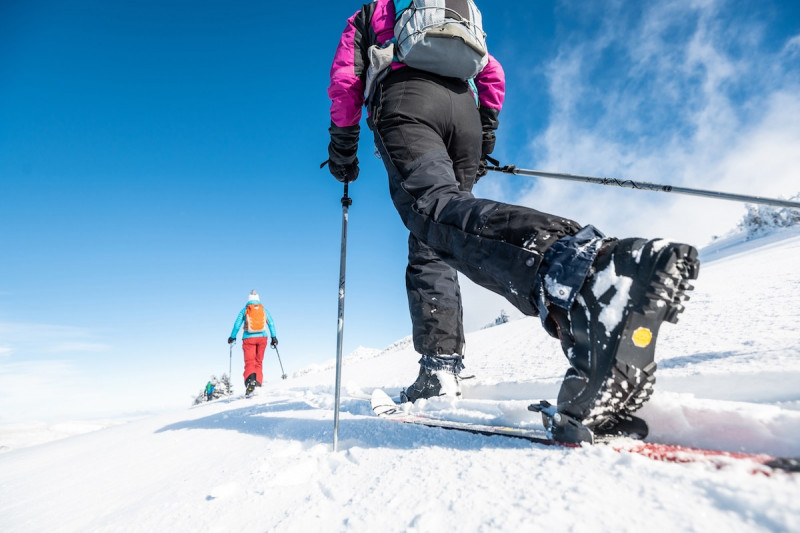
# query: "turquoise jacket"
240, 322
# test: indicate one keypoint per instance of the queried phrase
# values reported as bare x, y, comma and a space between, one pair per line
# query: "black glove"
487, 147
344, 173
231, 340
274, 341
342, 160
489, 123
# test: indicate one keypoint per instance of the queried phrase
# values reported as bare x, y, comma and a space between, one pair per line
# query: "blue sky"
160, 159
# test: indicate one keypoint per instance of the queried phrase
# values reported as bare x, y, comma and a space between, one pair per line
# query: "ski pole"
283, 374
230, 366
346, 203
642, 185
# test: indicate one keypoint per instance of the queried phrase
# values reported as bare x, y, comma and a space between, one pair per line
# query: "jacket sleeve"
348, 73
491, 85
238, 324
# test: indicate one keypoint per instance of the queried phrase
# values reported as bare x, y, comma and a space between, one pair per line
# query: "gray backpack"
440, 36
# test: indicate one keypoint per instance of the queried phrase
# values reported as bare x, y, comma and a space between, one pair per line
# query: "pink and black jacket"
372, 25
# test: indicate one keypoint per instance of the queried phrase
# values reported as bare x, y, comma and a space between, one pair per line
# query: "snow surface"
727, 379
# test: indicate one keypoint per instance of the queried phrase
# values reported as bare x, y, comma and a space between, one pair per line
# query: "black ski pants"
428, 133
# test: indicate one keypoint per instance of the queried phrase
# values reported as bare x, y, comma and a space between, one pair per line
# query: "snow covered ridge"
761, 219
727, 379
760, 222
359, 354
744, 241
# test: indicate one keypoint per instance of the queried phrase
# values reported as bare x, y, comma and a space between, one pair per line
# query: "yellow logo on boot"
642, 337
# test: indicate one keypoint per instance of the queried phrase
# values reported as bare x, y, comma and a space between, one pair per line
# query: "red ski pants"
253, 348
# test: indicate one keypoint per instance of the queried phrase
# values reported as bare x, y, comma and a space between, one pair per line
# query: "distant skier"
258, 326
434, 129
209, 391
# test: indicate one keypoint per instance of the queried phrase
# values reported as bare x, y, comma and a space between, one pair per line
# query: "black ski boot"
438, 376
250, 384
609, 334
564, 428
622, 425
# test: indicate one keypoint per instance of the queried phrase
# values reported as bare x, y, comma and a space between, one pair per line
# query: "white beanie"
253, 296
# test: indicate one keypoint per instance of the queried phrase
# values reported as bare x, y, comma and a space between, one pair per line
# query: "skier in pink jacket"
434, 133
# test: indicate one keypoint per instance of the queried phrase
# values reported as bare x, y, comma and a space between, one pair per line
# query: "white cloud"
39, 371
29, 339
792, 47
67, 347
35, 387
682, 109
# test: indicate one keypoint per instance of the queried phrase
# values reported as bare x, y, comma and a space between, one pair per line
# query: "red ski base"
672, 453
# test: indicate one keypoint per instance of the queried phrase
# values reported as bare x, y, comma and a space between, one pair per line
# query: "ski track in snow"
727, 379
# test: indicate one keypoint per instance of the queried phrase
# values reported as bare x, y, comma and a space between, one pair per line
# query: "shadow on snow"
357, 431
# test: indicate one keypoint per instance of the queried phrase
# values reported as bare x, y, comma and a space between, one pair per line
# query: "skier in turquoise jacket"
209, 391
258, 327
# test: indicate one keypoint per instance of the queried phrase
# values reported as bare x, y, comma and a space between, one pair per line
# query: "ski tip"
380, 396
377, 393
382, 403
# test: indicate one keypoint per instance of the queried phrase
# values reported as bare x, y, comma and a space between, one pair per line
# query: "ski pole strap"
643, 185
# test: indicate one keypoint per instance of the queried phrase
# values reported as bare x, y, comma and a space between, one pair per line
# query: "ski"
385, 407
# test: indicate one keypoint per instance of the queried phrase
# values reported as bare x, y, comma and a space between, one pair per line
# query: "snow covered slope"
727, 379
